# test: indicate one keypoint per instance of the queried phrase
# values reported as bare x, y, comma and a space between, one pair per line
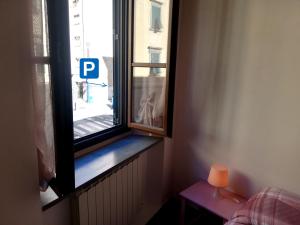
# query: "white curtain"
41, 89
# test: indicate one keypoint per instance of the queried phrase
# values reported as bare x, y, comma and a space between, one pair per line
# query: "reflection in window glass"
154, 58
155, 14
155, 17
148, 97
40, 29
91, 36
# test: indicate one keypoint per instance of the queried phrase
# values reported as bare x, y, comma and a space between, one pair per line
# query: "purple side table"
201, 194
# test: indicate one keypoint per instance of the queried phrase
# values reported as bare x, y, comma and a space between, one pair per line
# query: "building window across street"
154, 54
156, 24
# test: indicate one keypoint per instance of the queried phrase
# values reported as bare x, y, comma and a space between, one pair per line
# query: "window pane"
154, 58
40, 28
151, 22
148, 96
155, 18
91, 36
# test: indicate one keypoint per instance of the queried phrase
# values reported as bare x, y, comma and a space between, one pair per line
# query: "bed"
272, 206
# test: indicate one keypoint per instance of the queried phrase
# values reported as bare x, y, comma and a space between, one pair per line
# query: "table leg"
182, 211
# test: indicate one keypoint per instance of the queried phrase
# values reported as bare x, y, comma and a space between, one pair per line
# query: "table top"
201, 194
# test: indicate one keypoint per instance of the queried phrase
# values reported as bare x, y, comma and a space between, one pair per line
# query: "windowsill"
48, 198
99, 163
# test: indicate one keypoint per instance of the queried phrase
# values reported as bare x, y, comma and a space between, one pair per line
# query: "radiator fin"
100, 205
129, 191
106, 201
113, 199
92, 207
119, 198
83, 209
125, 196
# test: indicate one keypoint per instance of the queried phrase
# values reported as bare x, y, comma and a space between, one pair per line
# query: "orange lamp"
218, 177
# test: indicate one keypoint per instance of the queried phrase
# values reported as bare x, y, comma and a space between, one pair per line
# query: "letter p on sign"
89, 68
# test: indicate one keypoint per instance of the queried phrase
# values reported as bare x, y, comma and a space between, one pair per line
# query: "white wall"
237, 93
59, 214
20, 203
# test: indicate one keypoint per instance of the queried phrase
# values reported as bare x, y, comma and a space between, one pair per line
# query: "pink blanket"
272, 206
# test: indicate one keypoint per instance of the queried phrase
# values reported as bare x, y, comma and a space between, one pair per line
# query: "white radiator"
115, 199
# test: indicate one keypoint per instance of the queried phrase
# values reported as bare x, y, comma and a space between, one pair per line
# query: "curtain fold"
41, 91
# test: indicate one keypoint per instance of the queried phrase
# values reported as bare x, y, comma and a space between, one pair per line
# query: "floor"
169, 214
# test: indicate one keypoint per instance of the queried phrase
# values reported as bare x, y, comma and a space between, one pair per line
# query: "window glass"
91, 37
40, 29
155, 18
155, 14
148, 96
154, 58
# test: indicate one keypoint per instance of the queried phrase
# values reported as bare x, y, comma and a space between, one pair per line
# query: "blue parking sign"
89, 68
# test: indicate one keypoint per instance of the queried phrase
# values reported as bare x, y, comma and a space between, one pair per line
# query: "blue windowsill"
100, 162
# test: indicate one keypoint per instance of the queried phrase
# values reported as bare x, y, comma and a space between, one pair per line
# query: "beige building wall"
237, 93
144, 36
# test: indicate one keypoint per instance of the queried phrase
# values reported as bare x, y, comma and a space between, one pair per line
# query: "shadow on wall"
210, 50
242, 184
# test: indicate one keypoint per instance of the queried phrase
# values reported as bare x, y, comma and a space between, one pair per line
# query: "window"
132, 86
154, 58
91, 36
149, 67
86, 111
156, 16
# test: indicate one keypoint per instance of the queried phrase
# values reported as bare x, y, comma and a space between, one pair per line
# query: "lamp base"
217, 193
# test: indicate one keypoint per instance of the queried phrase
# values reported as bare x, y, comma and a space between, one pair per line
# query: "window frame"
166, 129
119, 77
120, 74
60, 66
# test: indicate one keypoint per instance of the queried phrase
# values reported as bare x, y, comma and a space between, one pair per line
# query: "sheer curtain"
41, 90
151, 105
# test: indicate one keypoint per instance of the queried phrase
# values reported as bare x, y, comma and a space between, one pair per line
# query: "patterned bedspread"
272, 206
